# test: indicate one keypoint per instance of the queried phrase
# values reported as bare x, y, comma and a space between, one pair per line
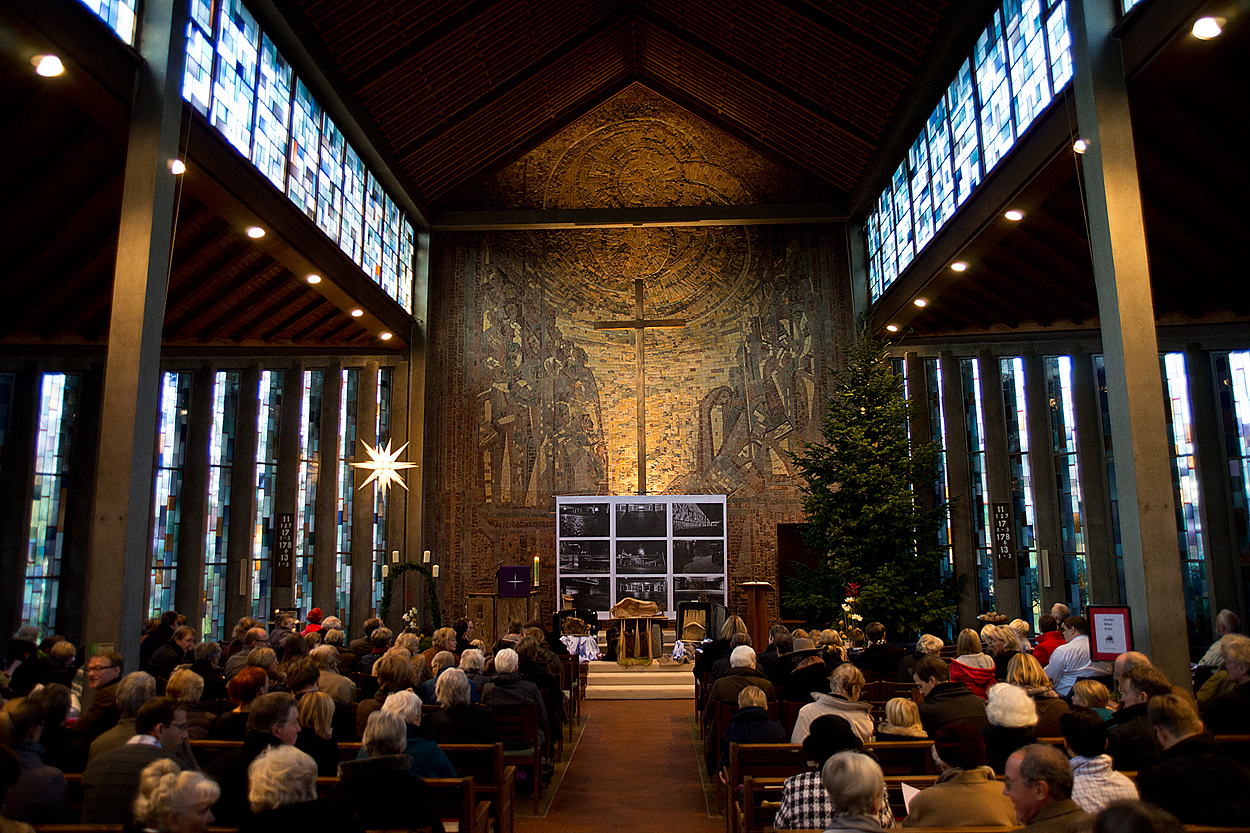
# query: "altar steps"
610, 681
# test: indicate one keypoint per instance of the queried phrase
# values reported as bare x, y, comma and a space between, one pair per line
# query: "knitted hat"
314, 616
829, 735
960, 746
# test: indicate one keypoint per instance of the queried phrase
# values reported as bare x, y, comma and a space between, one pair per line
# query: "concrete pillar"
17, 461
114, 601
1045, 493
80, 482
399, 499
282, 584
958, 481
243, 500
192, 540
997, 470
1126, 312
1219, 541
362, 506
1091, 462
324, 577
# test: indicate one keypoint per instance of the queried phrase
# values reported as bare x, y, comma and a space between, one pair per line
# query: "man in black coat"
1229, 714
272, 721
111, 781
1131, 740
1193, 780
173, 653
946, 702
879, 657
103, 672
159, 635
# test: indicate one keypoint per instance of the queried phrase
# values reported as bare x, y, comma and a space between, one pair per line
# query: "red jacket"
1045, 644
978, 680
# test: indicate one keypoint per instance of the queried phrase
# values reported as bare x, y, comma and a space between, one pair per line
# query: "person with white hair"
473, 664
926, 645
174, 801
427, 760
329, 679
1229, 714
459, 720
282, 794
854, 783
507, 689
846, 684
1013, 724
378, 788
742, 673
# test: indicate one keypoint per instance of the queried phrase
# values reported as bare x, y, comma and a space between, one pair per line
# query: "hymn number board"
663, 549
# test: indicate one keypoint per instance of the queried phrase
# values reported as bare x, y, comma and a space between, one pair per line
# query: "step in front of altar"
610, 681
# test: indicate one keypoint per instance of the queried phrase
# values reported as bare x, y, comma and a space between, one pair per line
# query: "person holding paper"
966, 794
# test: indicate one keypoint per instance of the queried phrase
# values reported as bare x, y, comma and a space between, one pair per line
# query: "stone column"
243, 500
1045, 493
963, 533
399, 498
286, 501
117, 569
1091, 461
325, 545
18, 455
84, 452
192, 537
1126, 312
362, 506
997, 471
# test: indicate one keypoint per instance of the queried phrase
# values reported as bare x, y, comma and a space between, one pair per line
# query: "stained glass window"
1059, 39
234, 90
58, 407
1232, 377
904, 245
273, 114
873, 234
1189, 532
330, 179
1026, 50
380, 541
889, 251
375, 218
965, 135
994, 91
220, 467
264, 528
197, 74
351, 229
390, 248
1024, 509
309, 471
301, 184
941, 166
350, 382
1058, 371
921, 196
979, 505
120, 15
937, 427
407, 252
171, 457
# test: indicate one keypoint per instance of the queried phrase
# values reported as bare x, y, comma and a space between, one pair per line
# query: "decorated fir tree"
878, 545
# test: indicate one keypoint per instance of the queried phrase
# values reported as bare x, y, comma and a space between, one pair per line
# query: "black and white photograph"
644, 589
588, 593
699, 556
585, 520
642, 520
585, 556
641, 557
699, 520
698, 583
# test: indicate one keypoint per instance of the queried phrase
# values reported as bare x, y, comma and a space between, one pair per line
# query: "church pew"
494, 780
759, 760
455, 800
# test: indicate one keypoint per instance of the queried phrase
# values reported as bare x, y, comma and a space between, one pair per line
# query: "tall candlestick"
435, 571
426, 557
535, 571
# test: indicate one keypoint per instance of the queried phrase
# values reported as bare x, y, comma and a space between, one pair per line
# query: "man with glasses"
111, 781
1039, 784
254, 638
103, 672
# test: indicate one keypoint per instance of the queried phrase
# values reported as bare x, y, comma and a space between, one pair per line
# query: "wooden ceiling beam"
307, 305
174, 327
249, 302
318, 324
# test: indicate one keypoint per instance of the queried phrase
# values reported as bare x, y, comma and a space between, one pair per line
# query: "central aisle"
635, 767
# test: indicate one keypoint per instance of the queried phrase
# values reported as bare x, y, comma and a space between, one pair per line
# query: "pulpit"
515, 599
757, 612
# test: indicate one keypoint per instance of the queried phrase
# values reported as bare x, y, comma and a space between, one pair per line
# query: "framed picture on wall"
1110, 631
585, 520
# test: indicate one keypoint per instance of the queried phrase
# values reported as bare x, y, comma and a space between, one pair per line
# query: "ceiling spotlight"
49, 66
255, 232
314, 279
356, 313
1080, 146
1014, 216
959, 266
1205, 28
385, 336
921, 302
176, 166
892, 327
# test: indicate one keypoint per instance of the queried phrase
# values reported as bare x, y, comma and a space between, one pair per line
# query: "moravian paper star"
385, 465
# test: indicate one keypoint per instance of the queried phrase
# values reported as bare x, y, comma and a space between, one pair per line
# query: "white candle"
435, 571
426, 557
395, 556
385, 571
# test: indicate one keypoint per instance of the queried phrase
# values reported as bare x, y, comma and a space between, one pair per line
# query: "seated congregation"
820, 733
283, 728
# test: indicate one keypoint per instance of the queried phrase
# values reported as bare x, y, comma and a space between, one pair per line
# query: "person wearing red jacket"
1048, 640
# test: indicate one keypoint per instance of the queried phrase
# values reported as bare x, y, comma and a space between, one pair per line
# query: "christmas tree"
877, 543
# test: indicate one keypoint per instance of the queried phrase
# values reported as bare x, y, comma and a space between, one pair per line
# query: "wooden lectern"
757, 612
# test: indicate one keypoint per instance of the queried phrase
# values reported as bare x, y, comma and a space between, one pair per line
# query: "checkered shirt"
805, 805
1096, 784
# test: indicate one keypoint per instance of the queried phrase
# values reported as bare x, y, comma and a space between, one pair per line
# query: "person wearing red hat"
314, 622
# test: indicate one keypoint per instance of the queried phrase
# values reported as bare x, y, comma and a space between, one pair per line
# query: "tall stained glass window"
234, 85
220, 467
380, 541
197, 73
273, 114
965, 132
1104, 406
120, 15
1232, 377
350, 385
264, 527
921, 194
1023, 507
904, 243
1026, 51
352, 226
941, 166
979, 505
58, 409
1058, 371
171, 458
309, 471
994, 91
375, 219
1189, 532
330, 180
303, 161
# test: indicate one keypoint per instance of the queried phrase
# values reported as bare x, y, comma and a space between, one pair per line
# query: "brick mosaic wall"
528, 400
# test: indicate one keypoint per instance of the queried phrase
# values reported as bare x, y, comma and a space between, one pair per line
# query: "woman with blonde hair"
1026, 672
846, 683
316, 718
1007, 645
1092, 694
711, 652
902, 721
831, 641
282, 794
173, 801
972, 666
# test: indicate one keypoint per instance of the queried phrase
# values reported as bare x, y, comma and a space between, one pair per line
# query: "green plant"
878, 543
398, 570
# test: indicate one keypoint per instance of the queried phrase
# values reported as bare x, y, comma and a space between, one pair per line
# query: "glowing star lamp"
385, 465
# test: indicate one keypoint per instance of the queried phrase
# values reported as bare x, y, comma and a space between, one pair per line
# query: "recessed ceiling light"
958, 266
255, 232
892, 327
385, 336
314, 279
356, 313
921, 302
1206, 28
177, 166
49, 66
1080, 146
1014, 216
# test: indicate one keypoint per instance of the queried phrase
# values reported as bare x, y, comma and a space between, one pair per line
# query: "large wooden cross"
638, 325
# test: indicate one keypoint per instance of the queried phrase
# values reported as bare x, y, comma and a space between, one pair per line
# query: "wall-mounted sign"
284, 549
1003, 540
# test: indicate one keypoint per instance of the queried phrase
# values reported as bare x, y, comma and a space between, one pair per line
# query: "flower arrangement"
412, 621
849, 614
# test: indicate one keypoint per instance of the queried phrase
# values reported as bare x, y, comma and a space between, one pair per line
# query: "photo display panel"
664, 549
